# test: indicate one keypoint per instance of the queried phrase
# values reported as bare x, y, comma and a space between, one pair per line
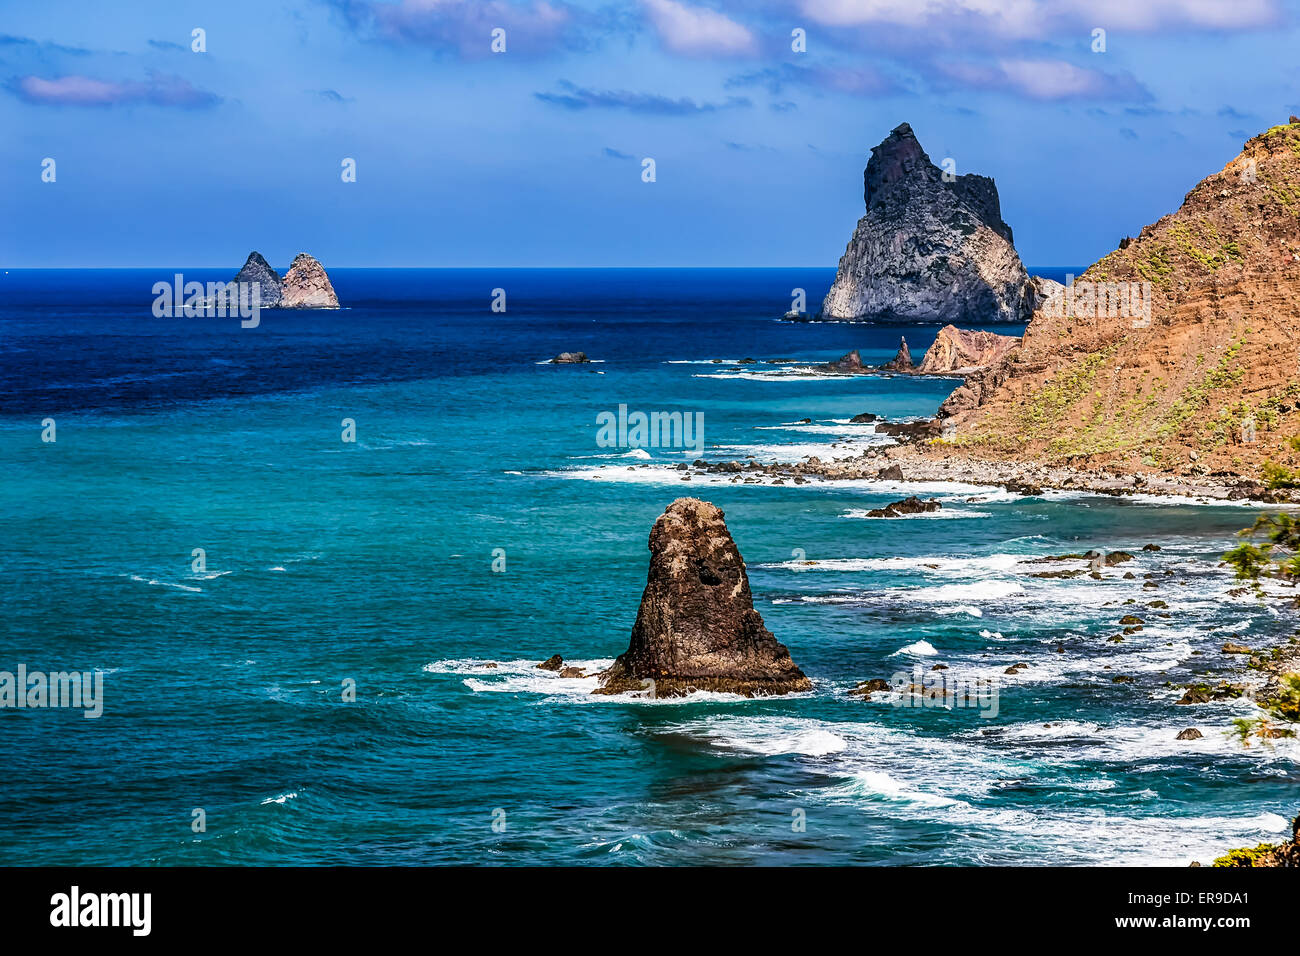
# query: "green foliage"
1245, 857
1279, 476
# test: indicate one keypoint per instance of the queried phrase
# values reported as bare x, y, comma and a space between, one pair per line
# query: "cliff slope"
1177, 353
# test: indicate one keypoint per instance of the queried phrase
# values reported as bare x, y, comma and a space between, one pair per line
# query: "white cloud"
1044, 79
698, 31
1033, 18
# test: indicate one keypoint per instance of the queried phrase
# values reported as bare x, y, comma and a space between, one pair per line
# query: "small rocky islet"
305, 285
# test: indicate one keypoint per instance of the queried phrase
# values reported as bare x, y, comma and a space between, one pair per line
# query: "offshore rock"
258, 270
697, 628
306, 286
931, 247
849, 364
902, 362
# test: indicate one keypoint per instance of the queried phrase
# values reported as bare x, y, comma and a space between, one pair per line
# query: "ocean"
319, 651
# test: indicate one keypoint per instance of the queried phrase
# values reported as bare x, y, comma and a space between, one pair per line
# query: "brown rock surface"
697, 628
1167, 382
962, 351
306, 286
902, 362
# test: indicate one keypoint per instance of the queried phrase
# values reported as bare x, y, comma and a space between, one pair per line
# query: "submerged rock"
306, 285
697, 628
877, 685
931, 247
908, 506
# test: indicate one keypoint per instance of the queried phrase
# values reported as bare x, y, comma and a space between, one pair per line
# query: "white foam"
156, 582
919, 649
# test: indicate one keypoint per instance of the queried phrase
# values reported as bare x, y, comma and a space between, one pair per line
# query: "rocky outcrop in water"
258, 270
902, 362
962, 351
306, 286
931, 247
570, 358
697, 628
849, 364
908, 506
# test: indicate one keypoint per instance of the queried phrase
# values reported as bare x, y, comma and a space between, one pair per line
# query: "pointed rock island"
697, 628
305, 286
258, 270
931, 247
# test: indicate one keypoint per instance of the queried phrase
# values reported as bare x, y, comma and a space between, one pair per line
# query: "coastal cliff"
963, 351
1175, 354
931, 247
697, 628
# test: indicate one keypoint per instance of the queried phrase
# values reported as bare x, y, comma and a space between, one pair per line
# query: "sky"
168, 155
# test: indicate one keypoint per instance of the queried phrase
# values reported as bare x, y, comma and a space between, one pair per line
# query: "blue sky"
533, 157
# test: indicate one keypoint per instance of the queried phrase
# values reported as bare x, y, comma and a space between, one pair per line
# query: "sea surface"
478, 525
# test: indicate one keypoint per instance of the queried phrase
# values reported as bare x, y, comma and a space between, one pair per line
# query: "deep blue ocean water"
373, 561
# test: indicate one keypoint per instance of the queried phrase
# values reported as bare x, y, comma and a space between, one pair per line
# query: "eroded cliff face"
1179, 352
697, 628
929, 250
963, 351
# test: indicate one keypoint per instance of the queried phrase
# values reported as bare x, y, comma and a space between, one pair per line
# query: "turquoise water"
373, 561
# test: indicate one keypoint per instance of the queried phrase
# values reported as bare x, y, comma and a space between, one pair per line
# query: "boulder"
552, 663
868, 687
908, 506
1191, 733
697, 628
570, 358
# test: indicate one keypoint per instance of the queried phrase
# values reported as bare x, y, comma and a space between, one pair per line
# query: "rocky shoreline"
904, 462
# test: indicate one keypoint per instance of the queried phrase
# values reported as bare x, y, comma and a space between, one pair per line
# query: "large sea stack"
306, 286
258, 270
697, 628
930, 248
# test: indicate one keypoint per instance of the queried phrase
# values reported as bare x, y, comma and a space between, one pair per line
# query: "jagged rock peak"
697, 628
307, 286
899, 166
256, 269
932, 246
902, 362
